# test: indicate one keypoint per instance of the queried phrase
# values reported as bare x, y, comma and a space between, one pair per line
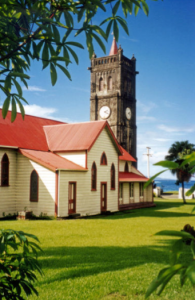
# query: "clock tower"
113, 95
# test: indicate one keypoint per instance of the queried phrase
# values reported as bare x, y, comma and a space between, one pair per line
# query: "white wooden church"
60, 169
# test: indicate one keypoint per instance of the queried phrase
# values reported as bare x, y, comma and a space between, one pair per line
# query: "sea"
169, 184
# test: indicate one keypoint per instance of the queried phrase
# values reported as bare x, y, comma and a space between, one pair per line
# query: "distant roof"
131, 177
26, 134
114, 48
126, 156
77, 136
51, 160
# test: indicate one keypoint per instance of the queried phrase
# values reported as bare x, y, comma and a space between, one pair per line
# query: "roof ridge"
36, 116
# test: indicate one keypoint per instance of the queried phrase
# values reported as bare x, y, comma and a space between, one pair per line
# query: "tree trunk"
183, 194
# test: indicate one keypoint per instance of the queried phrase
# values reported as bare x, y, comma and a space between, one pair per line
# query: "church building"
53, 168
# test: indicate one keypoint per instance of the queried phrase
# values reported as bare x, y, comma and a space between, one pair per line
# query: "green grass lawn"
112, 257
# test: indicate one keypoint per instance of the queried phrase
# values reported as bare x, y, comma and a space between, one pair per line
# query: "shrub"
18, 263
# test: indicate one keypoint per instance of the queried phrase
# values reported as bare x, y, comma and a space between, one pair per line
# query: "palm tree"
177, 153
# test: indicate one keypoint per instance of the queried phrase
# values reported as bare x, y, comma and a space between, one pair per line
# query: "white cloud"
175, 129
162, 140
146, 118
39, 111
145, 108
132, 40
80, 89
33, 88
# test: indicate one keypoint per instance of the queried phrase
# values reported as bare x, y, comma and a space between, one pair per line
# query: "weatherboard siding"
122, 165
46, 190
87, 201
7, 193
78, 158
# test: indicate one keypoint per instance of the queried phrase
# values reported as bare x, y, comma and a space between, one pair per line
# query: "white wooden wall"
122, 165
87, 201
8, 193
76, 157
147, 193
46, 200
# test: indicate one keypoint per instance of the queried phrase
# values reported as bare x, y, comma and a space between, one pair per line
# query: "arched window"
125, 85
101, 84
34, 186
112, 177
109, 83
5, 170
93, 177
103, 160
126, 167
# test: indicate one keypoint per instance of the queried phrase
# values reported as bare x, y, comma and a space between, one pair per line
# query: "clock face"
128, 113
104, 112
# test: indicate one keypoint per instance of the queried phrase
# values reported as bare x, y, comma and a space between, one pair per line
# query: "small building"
54, 168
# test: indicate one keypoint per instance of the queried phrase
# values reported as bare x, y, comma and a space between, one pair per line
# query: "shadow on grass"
160, 211
74, 262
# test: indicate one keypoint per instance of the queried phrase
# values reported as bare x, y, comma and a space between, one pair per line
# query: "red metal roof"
131, 177
26, 134
126, 156
77, 137
114, 48
50, 160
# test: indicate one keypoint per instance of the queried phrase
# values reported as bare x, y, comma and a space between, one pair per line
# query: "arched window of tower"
109, 83
125, 85
101, 84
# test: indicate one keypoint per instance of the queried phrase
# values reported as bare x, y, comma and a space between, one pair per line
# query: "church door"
103, 196
72, 198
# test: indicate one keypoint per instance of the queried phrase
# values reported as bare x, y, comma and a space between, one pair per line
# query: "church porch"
132, 194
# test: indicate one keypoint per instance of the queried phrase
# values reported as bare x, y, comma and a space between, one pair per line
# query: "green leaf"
190, 272
136, 9
145, 8
193, 210
89, 44
74, 55
181, 234
176, 251
60, 58
123, 24
100, 31
18, 87
116, 30
35, 52
68, 18
183, 277
109, 28
167, 164
14, 110
193, 249
5, 107
45, 54
115, 8
53, 74
80, 14
152, 178
22, 75
65, 71
152, 287
7, 84
75, 44
190, 191
56, 33
100, 42
21, 108
39, 46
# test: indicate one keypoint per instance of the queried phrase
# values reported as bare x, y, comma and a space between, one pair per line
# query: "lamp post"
148, 155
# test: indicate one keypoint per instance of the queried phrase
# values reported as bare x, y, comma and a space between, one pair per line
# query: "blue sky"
164, 46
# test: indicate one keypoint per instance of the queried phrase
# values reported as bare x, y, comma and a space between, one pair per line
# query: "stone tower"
113, 95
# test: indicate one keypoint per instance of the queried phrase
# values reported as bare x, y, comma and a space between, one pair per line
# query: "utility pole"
148, 155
